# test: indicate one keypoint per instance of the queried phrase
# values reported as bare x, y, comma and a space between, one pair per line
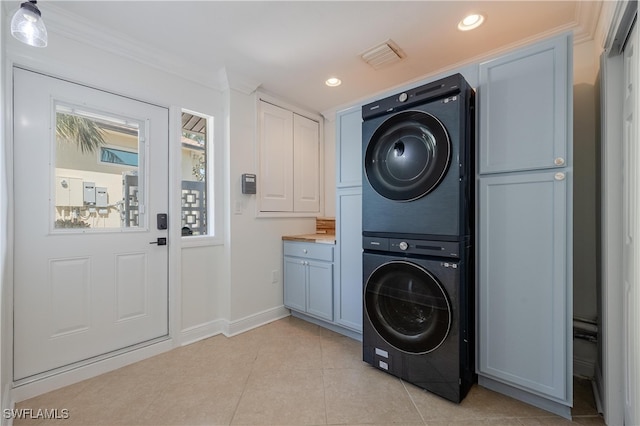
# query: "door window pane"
97, 164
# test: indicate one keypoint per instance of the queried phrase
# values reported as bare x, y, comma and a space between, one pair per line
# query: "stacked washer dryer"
417, 217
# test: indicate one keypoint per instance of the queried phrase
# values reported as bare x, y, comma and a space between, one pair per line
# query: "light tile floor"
288, 372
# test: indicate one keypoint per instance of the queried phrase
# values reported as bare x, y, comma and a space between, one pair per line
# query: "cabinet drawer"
309, 250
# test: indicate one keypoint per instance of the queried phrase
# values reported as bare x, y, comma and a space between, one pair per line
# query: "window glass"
196, 174
118, 157
90, 193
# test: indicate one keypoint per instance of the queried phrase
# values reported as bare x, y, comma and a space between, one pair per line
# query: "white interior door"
631, 255
90, 177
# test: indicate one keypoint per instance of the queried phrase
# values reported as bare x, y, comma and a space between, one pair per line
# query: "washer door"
407, 156
407, 307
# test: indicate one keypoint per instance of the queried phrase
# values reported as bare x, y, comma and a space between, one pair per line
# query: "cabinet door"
524, 108
306, 167
320, 289
348, 283
295, 283
349, 147
276, 158
524, 292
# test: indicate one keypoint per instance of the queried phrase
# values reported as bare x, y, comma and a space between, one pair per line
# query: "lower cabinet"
308, 278
524, 286
348, 285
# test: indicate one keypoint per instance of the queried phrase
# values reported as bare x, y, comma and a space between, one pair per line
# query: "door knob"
559, 176
161, 241
559, 161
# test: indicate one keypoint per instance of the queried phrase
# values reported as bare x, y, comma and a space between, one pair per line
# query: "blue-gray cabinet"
348, 283
524, 109
308, 278
349, 147
524, 235
522, 251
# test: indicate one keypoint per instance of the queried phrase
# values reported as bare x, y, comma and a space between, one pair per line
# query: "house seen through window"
196, 137
99, 162
98, 159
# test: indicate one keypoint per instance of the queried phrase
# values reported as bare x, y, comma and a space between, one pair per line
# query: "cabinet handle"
559, 176
304, 251
559, 161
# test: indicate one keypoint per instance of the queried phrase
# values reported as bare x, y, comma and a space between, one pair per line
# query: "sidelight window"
196, 180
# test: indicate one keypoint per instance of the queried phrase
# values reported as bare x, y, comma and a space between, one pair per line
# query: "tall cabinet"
348, 291
524, 238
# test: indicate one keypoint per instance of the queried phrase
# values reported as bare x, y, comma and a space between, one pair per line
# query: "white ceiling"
291, 48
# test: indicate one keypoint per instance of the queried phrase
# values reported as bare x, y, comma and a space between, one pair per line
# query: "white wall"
201, 279
585, 135
585, 200
255, 243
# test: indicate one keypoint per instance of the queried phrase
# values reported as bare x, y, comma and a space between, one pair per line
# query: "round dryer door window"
407, 156
408, 307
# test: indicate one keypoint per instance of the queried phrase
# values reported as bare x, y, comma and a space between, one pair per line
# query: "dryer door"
407, 307
407, 156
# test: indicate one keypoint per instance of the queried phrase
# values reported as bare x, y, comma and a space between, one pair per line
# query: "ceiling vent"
384, 54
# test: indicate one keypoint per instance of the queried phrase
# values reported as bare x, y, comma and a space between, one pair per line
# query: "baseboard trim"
202, 331
231, 328
526, 397
341, 330
7, 404
583, 367
597, 384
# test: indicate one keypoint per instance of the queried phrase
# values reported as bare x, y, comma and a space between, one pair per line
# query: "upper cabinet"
525, 112
306, 164
290, 161
349, 147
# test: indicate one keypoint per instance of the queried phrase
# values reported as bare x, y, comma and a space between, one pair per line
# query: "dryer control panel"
446, 87
420, 247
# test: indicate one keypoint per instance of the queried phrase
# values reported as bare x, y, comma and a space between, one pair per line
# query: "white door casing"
631, 233
80, 294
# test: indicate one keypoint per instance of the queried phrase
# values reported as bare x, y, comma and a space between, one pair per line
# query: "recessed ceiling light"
471, 21
333, 82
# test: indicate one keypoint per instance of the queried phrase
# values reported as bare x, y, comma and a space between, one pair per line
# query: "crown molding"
71, 26
586, 17
232, 79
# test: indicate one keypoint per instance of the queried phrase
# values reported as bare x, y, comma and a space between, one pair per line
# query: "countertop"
312, 238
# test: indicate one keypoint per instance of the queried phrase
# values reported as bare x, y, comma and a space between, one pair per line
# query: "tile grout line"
244, 388
404, 386
324, 388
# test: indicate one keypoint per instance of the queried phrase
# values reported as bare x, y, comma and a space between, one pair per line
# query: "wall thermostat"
248, 183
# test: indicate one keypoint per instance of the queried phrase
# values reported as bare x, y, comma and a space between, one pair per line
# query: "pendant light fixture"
27, 25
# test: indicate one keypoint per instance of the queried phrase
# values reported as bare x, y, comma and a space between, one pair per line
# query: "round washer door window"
407, 156
408, 307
